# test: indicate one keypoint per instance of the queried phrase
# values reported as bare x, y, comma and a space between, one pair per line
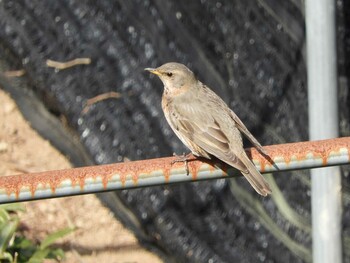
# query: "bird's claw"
184, 158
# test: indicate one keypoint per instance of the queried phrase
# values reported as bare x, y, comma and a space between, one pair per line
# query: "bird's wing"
246, 132
205, 132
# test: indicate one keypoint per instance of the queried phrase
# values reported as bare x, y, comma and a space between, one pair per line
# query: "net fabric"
251, 53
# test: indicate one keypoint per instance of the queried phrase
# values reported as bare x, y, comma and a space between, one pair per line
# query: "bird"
204, 122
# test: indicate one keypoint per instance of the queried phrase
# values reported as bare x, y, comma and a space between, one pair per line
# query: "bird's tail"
254, 177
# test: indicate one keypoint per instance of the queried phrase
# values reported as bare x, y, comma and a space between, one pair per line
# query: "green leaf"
13, 207
39, 256
24, 249
6, 256
57, 254
7, 231
4, 216
22, 243
50, 239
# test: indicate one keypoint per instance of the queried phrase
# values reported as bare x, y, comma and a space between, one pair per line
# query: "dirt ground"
99, 237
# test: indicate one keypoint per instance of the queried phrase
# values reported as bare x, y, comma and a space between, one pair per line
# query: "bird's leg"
183, 158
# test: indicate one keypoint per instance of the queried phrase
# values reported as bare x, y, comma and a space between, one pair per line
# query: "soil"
99, 237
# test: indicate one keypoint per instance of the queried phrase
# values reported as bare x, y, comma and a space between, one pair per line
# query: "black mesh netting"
250, 52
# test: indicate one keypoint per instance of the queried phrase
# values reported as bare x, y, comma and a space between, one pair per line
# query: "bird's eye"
169, 74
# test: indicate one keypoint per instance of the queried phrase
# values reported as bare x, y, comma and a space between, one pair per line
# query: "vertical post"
323, 123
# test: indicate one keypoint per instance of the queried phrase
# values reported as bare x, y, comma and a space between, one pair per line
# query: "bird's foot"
184, 158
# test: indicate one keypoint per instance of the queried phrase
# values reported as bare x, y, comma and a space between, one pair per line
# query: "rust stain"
32, 190
262, 166
224, 169
122, 178
319, 149
77, 176
212, 168
166, 173
194, 167
192, 162
135, 177
11, 186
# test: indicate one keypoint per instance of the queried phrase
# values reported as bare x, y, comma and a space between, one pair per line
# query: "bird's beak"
153, 70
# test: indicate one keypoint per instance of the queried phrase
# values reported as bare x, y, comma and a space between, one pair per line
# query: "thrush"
204, 123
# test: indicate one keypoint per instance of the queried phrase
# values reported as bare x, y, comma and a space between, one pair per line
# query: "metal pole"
323, 124
145, 173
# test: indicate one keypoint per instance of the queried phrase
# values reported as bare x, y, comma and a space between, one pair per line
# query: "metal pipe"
152, 172
323, 124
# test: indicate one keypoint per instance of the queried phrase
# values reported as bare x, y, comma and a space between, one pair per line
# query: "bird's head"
175, 76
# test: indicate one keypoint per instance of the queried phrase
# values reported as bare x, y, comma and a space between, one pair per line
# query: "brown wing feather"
246, 132
254, 177
205, 133
202, 133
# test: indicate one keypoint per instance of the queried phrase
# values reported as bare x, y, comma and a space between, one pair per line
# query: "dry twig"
14, 73
68, 64
101, 97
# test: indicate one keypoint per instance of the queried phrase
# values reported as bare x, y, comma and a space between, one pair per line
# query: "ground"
99, 237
